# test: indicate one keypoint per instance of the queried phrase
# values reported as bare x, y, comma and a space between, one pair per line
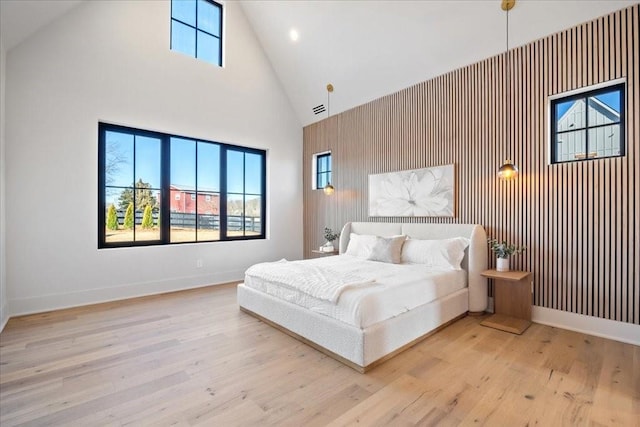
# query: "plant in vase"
503, 251
330, 236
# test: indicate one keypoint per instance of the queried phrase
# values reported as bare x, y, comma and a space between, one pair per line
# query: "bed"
368, 324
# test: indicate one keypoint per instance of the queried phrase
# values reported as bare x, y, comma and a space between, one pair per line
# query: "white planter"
327, 247
502, 264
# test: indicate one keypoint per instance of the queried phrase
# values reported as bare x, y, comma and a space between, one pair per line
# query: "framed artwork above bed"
418, 192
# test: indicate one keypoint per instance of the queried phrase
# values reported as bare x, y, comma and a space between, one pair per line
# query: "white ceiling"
366, 49
21, 18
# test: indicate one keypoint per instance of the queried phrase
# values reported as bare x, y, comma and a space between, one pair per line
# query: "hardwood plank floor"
192, 358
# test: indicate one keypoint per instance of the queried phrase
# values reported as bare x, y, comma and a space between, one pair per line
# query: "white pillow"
360, 245
387, 249
446, 253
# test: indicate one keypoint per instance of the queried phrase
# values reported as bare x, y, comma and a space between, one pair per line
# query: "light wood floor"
192, 358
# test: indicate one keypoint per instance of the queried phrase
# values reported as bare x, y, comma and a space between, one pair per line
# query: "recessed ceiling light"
293, 34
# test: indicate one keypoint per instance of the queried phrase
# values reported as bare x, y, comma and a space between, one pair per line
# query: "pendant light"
508, 171
329, 189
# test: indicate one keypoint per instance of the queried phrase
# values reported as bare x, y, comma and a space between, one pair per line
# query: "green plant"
144, 195
128, 217
330, 235
147, 218
504, 249
112, 218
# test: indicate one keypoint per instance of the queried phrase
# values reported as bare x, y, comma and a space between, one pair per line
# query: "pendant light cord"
508, 95
508, 170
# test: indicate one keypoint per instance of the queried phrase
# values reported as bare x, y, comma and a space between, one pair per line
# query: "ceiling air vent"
319, 109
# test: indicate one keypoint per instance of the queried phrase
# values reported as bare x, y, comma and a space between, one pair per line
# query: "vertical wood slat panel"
579, 221
633, 75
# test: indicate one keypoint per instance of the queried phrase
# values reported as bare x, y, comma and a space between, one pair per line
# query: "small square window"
196, 29
207, 198
177, 197
193, 196
588, 125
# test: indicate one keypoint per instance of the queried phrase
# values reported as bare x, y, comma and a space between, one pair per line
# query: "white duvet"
309, 278
395, 289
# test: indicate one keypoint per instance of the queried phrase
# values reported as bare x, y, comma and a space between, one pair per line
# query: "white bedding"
397, 288
309, 278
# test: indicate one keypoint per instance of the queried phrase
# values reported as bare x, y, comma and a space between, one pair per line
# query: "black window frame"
586, 95
198, 29
165, 196
320, 172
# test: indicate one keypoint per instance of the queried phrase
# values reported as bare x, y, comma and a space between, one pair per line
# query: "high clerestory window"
588, 124
157, 189
196, 29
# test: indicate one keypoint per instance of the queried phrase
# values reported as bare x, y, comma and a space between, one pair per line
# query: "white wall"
4, 314
110, 61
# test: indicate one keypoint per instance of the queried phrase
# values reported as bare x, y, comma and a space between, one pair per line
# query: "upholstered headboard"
475, 258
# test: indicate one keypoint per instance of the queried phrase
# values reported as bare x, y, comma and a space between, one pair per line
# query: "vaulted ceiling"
19, 19
366, 49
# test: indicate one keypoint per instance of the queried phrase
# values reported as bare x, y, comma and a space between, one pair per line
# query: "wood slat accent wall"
579, 221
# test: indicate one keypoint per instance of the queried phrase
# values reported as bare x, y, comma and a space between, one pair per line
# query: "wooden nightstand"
511, 300
316, 251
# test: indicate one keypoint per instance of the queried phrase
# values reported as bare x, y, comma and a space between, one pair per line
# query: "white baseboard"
40, 304
619, 331
5, 317
611, 329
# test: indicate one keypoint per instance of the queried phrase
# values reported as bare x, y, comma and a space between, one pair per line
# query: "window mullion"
223, 192
244, 193
586, 130
195, 190
185, 23
589, 127
165, 193
196, 32
135, 137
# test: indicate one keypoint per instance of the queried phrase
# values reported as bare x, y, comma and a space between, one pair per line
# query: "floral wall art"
419, 192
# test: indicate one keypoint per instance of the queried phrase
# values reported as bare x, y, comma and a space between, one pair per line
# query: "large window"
588, 125
157, 189
196, 29
322, 167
